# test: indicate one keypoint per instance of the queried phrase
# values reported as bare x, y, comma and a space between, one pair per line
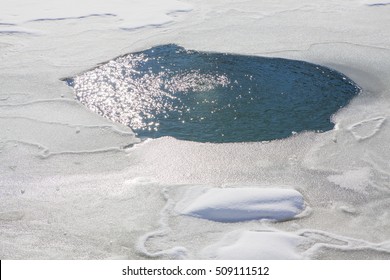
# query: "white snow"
356, 180
256, 245
268, 244
242, 204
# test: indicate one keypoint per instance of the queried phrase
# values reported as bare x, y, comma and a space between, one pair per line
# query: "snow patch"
256, 245
356, 180
270, 244
241, 204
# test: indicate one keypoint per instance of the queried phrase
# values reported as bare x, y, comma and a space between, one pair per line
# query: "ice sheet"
97, 194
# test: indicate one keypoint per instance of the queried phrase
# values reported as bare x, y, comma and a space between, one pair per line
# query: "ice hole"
213, 97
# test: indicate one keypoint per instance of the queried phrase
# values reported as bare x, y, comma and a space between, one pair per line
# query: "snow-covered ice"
137, 14
74, 185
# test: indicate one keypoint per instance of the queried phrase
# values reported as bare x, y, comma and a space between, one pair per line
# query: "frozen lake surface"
75, 185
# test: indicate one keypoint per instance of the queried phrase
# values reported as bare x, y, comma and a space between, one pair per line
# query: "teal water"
213, 97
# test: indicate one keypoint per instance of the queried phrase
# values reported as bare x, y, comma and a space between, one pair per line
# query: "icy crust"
129, 14
241, 204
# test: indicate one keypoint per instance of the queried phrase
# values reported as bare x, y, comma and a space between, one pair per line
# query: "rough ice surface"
74, 185
242, 204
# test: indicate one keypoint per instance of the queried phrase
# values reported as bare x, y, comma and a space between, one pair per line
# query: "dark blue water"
213, 97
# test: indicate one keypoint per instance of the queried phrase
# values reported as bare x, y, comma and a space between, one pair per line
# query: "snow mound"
271, 244
241, 204
256, 245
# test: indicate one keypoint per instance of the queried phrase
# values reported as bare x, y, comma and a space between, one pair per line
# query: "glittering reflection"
211, 97
119, 91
